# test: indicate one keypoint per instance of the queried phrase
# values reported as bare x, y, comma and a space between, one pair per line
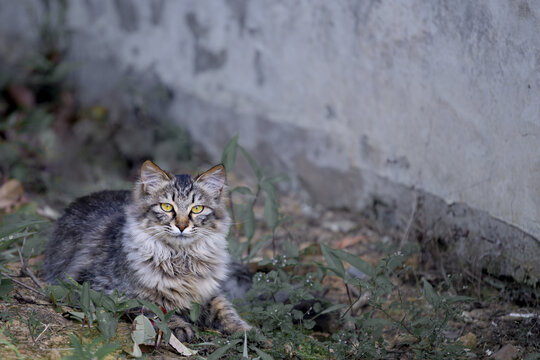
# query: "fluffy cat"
164, 242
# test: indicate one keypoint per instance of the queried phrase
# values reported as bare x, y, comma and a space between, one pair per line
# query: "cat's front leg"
181, 328
221, 315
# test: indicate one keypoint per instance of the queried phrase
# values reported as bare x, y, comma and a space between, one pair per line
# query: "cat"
164, 242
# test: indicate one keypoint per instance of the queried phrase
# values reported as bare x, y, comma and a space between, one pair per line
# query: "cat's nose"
182, 222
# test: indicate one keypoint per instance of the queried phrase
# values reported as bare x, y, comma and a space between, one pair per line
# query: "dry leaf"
469, 340
179, 347
350, 240
11, 193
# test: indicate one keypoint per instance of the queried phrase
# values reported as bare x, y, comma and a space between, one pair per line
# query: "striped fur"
125, 241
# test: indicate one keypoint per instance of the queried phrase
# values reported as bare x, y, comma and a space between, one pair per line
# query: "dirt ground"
492, 326
498, 325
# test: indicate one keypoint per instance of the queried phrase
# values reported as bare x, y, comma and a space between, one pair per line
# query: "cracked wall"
356, 99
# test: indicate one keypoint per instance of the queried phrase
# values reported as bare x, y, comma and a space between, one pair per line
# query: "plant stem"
252, 205
350, 306
350, 299
409, 224
23, 284
24, 265
273, 244
235, 225
400, 322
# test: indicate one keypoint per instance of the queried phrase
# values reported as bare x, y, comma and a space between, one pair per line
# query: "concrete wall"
357, 99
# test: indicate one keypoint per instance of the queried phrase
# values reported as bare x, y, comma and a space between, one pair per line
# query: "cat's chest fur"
174, 278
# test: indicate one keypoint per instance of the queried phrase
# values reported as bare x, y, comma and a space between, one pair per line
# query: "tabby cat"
164, 242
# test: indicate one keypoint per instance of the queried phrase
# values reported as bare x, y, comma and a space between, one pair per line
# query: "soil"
493, 326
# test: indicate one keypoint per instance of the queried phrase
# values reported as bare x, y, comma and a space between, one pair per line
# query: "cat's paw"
181, 329
235, 325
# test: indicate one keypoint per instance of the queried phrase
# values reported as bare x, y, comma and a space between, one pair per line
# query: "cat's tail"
238, 283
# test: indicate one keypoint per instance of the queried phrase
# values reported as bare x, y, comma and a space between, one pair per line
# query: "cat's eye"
197, 209
166, 207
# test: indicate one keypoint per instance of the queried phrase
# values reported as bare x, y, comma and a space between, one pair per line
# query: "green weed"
285, 302
98, 349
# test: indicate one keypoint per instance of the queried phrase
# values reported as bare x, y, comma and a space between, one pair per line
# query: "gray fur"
118, 240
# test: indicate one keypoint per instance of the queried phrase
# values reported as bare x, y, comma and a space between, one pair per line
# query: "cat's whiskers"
156, 232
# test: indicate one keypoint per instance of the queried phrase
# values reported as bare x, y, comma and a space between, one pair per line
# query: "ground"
490, 326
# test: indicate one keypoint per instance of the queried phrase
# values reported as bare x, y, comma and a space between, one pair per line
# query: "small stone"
507, 352
469, 340
343, 226
516, 316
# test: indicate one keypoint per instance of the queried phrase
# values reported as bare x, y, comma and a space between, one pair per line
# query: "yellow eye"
197, 209
166, 207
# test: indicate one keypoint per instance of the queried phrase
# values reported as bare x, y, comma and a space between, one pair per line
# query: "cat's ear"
152, 177
213, 180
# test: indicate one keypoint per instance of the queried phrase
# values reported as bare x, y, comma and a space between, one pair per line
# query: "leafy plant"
277, 301
6, 343
98, 349
161, 320
242, 212
33, 323
106, 310
94, 306
22, 227
423, 327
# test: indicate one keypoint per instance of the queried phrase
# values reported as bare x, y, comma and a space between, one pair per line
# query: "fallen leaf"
11, 193
179, 347
350, 240
469, 340
144, 332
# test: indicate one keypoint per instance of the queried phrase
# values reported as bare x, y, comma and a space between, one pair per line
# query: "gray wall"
356, 99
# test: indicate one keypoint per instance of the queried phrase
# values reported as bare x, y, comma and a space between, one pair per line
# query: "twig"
159, 337
273, 244
440, 261
400, 322
409, 223
235, 226
22, 299
350, 307
350, 299
23, 284
256, 196
252, 205
24, 266
46, 327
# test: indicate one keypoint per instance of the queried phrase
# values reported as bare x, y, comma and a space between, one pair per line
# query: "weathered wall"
356, 99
